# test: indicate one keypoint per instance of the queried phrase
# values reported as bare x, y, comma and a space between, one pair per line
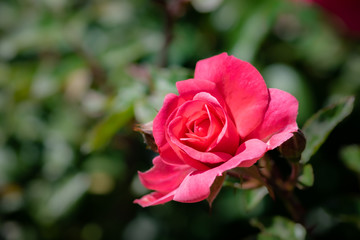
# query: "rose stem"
172, 11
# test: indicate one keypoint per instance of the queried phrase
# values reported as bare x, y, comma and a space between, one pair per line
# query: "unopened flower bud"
292, 148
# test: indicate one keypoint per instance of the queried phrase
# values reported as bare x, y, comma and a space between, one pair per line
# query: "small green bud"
292, 148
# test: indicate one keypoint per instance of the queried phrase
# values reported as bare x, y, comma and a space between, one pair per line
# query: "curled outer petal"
241, 86
279, 122
196, 186
163, 177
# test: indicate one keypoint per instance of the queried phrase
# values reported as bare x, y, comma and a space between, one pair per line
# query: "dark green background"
75, 76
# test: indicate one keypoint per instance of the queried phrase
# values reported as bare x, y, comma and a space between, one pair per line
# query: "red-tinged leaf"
215, 188
253, 173
146, 131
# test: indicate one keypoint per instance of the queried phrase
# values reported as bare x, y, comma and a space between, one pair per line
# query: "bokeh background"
76, 76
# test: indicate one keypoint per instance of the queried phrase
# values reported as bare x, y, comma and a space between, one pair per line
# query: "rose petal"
154, 198
169, 156
168, 110
163, 177
280, 119
228, 139
190, 155
191, 87
172, 136
204, 106
171, 102
242, 87
191, 107
196, 186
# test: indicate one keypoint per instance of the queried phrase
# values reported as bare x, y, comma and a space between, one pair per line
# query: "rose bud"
293, 147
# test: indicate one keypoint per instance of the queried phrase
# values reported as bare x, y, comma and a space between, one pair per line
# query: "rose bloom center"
201, 129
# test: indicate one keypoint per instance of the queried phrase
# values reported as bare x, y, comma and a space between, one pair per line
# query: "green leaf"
320, 125
306, 179
8, 165
279, 228
342, 209
102, 133
53, 202
256, 25
254, 197
350, 155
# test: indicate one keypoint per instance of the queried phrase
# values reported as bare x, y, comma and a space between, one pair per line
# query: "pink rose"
224, 118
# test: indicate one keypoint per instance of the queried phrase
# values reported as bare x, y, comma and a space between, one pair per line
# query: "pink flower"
224, 118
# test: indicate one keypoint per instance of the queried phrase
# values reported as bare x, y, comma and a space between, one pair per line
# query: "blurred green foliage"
75, 76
